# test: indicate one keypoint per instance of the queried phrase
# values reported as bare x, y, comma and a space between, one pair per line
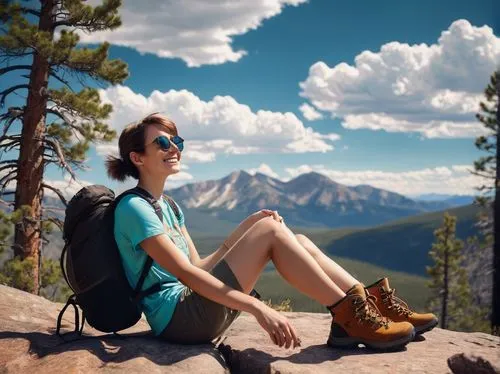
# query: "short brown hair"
132, 139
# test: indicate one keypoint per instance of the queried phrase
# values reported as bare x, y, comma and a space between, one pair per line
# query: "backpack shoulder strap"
138, 293
146, 196
174, 207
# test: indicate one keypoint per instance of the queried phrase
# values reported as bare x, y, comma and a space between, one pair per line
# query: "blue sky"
401, 119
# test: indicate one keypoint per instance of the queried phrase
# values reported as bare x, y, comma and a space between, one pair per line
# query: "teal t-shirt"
136, 220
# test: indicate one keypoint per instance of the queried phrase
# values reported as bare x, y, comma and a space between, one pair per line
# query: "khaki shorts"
198, 320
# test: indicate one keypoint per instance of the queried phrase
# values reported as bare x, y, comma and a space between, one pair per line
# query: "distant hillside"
401, 245
451, 200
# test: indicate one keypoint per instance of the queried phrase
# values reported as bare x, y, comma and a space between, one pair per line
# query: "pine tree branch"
56, 147
14, 67
53, 208
60, 115
6, 203
77, 129
60, 79
103, 17
482, 175
9, 146
10, 121
58, 192
6, 56
13, 111
8, 162
6, 167
9, 90
30, 11
57, 222
14, 140
5, 180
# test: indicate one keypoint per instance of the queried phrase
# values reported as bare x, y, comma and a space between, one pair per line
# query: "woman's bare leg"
336, 272
268, 240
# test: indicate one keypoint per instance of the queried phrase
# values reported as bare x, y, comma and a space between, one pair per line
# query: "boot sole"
427, 327
376, 345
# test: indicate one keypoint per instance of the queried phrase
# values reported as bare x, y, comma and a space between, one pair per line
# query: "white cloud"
310, 113
264, 169
197, 31
433, 90
67, 186
447, 180
219, 126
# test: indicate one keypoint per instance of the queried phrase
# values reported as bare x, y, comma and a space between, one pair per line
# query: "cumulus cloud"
310, 113
197, 31
219, 126
264, 169
67, 186
429, 89
456, 179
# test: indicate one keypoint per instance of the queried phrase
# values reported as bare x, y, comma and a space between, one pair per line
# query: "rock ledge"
28, 344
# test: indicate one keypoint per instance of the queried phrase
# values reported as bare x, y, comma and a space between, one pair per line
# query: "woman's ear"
136, 158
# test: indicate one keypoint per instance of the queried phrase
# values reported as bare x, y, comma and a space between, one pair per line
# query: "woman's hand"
267, 213
247, 223
280, 331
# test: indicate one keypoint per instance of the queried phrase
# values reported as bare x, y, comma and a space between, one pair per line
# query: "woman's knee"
267, 227
301, 238
268, 224
305, 242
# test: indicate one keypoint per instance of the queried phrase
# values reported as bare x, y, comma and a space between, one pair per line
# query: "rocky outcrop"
28, 344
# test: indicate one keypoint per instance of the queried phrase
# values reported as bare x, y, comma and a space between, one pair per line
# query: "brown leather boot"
396, 309
356, 320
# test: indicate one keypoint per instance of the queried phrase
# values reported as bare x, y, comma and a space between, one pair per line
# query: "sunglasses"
164, 142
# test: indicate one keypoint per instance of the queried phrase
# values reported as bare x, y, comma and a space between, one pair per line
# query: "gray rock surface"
251, 350
28, 345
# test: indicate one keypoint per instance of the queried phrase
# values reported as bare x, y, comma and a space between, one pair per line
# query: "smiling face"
155, 161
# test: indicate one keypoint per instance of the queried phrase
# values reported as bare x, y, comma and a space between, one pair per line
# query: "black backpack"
91, 263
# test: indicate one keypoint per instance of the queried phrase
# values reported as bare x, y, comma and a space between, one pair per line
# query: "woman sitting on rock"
203, 296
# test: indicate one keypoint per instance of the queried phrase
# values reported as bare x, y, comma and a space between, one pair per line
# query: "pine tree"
487, 167
449, 283
58, 123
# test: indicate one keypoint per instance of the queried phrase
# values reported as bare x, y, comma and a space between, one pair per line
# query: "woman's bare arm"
168, 256
209, 261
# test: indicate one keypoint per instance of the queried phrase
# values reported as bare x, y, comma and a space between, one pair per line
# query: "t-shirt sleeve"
137, 220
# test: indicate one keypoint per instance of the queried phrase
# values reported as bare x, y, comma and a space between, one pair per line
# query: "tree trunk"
446, 281
30, 164
495, 314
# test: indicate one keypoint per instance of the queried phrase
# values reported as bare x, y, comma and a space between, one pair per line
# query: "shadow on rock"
252, 360
113, 348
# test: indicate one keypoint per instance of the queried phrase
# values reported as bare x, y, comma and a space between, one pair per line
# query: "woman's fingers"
276, 216
273, 338
295, 338
273, 213
278, 337
288, 336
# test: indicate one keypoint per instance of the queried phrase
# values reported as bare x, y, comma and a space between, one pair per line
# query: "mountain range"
309, 200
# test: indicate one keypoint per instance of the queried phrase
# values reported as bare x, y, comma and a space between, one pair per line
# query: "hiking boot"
356, 320
397, 310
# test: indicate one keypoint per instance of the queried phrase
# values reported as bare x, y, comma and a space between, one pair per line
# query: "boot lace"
366, 310
395, 303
